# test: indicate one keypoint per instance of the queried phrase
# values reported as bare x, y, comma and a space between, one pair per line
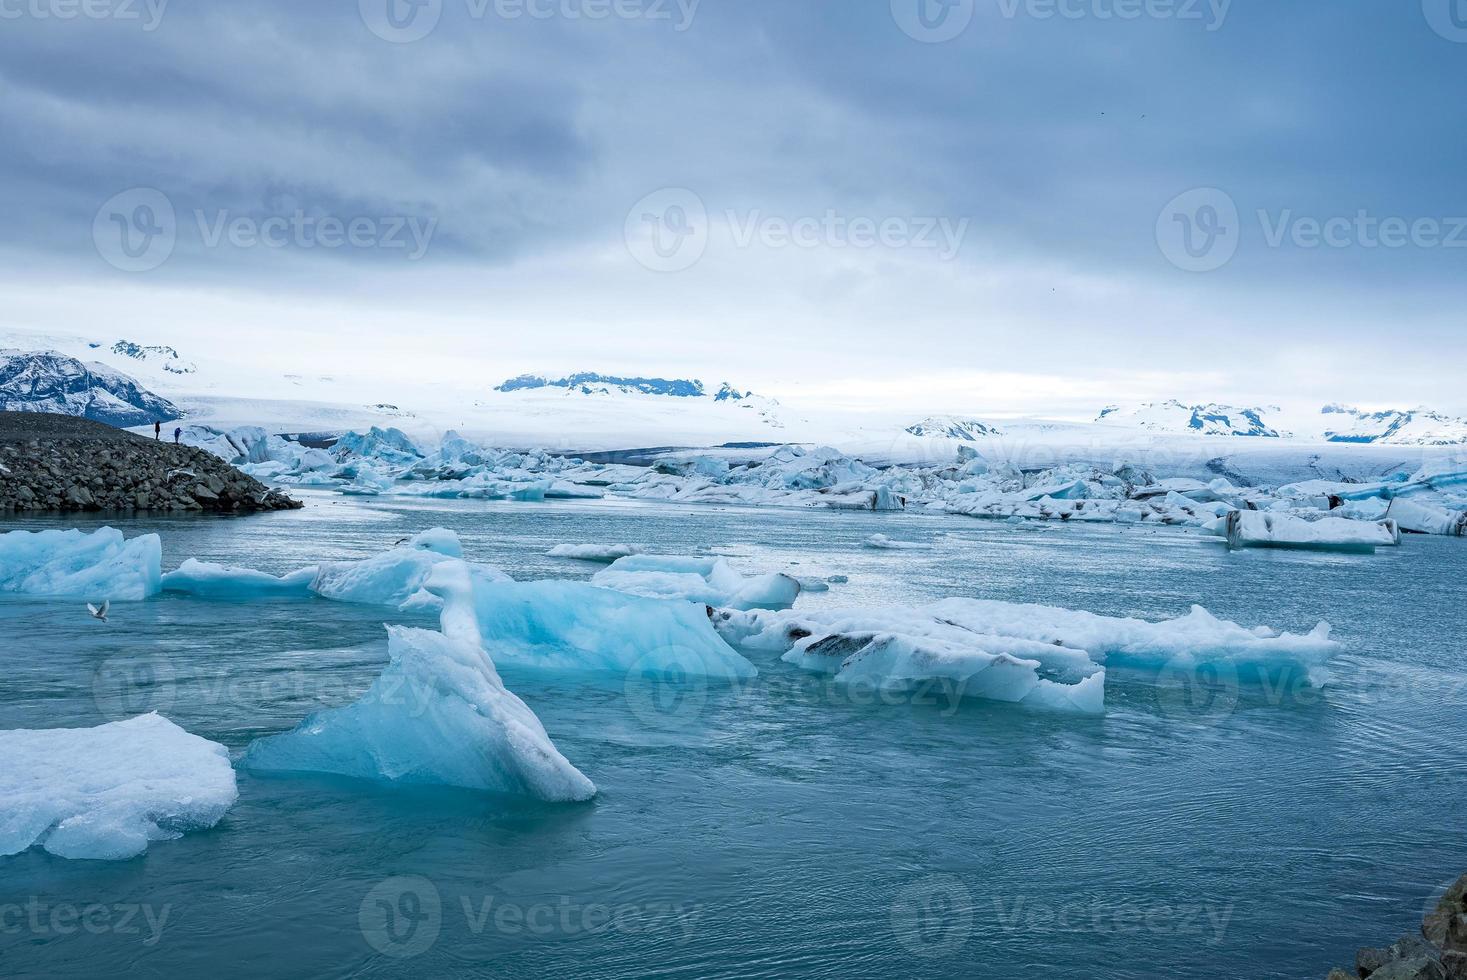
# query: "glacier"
105, 793
707, 581
74, 564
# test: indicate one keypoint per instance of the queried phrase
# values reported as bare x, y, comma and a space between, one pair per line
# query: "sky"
979, 206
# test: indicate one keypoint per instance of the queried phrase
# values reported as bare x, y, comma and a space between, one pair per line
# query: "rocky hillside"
59, 462
45, 381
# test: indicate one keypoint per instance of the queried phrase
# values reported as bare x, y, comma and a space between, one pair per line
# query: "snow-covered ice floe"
77, 565
438, 714
884, 543
105, 793
1258, 529
1029, 654
595, 552
397, 577
709, 581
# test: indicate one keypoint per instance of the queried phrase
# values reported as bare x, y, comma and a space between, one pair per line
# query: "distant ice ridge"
385, 461
1418, 427
1207, 420
105, 793
77, 565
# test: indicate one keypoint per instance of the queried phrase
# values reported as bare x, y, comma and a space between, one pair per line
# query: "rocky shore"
64, 463
1439, 953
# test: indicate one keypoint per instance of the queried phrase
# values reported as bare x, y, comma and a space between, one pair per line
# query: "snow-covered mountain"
1418, 427
46, 381
589, 383
1205, 420
164, 357
953, 427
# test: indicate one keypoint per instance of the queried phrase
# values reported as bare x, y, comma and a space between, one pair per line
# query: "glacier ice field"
618, 737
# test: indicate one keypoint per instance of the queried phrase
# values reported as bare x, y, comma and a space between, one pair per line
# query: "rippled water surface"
778, 829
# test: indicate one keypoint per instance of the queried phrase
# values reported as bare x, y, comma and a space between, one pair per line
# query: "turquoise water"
780, 828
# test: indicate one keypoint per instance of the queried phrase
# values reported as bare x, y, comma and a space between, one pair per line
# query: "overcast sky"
990, 206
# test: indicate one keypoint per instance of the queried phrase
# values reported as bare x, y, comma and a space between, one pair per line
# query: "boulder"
1446, 925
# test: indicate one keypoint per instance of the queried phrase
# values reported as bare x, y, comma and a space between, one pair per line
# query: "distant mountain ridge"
1207, 420
1417, 427
953, 427
591, 383
171, 362
45, 381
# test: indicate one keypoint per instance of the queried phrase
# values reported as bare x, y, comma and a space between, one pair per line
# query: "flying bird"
100, 613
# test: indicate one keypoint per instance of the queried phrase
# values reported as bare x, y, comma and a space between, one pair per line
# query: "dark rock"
1416, 968
1446, 925
1368, 961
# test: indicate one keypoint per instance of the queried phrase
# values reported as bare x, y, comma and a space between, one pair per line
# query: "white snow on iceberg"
210, 581
104, 793
397, 577
709, 581
595, 552
438, 715
1259, 529
77, 565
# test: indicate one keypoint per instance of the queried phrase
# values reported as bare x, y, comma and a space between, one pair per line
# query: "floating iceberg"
77, 565
1260, 529
1422, 518
709, 581
396, 577
573, 626
211, 581
595, 552
1031, 654
438, 714
882, 542
104, 793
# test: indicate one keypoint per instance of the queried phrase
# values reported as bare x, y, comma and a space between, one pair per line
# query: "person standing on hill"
176, 433
157, 429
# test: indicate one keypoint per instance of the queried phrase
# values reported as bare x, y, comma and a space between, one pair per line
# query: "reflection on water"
780, 827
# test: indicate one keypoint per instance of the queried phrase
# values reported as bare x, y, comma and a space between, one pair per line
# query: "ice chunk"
595, 552
397, 576
709, 581
1423, 518
104, 793
438, 714
573, 626
208, 580
1259, 529
883, 542
75, 564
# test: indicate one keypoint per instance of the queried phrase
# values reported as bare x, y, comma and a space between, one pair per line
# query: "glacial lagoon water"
780, 828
